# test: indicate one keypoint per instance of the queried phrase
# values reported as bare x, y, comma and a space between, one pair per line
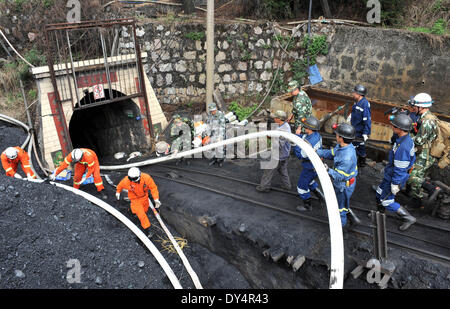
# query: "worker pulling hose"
118, 215
336, 237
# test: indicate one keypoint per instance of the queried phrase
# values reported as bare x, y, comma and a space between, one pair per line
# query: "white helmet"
77, 154
161, 148
11, 153
134, 174
422, 100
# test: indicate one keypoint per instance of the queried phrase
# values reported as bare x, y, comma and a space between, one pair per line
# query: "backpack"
440, 147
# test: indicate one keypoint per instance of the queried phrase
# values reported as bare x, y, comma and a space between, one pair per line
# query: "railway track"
423, 238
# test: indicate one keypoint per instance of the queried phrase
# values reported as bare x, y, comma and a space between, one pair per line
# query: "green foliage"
241, 112
195, 36
275, 9
439, 27
283, 40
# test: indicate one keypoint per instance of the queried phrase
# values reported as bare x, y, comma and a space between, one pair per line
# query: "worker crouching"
84, 159
138, 184
11, 158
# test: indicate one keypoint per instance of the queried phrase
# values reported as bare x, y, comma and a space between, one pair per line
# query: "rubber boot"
149, 232
405, 216
353, 218
319, 194
361, 162
414, 203
306, 206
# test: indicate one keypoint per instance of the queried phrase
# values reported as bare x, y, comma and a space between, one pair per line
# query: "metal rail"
312, 218
439, 228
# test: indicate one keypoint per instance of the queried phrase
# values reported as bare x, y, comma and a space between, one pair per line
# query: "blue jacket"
361, 119
401, 159
345, 167
315, 140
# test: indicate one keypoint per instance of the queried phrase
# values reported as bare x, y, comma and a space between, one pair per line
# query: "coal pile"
51, 238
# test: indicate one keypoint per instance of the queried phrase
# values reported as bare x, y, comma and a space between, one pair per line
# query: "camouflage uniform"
183, 140
302, 107
216, 130
422, 141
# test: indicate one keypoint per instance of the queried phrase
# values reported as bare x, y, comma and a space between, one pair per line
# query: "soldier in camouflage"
181, 135
216, 131
426, 134
302, 107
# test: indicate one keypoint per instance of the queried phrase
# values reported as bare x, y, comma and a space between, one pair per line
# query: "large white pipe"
186, 264
336, 239
169, 272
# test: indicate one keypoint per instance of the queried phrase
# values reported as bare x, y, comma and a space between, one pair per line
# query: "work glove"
349, 118
17, 176
157, 203
117, 196
29, 177
365, 137
395, 189
52, 177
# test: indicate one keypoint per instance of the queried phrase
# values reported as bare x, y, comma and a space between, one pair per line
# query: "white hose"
170, 274
19, 123
336, 240
186, 264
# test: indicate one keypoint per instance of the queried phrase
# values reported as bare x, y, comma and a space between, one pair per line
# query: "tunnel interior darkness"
110, 128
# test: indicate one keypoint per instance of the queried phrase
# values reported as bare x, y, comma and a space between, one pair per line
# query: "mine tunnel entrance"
109, 128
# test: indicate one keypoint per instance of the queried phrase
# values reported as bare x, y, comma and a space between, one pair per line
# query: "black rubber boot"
414, 203
405, 216
361, 162
319, 194
306, 206
149, 232
354, 220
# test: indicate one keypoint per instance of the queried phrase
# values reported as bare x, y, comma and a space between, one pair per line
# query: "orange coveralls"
138, 195
89, 161
10, 166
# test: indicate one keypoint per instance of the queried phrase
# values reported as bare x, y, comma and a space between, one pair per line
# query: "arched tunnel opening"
109, 128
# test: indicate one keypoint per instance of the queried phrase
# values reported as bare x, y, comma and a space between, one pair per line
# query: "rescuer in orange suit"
83, 158
138, 184
11, 158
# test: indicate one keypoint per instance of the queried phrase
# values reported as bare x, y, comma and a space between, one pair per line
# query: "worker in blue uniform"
306, 183
361, 121
401, 159
343, 175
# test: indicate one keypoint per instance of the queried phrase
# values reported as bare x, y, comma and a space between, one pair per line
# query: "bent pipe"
189, 269
165, 266
19, 123
336, 239
28, 140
